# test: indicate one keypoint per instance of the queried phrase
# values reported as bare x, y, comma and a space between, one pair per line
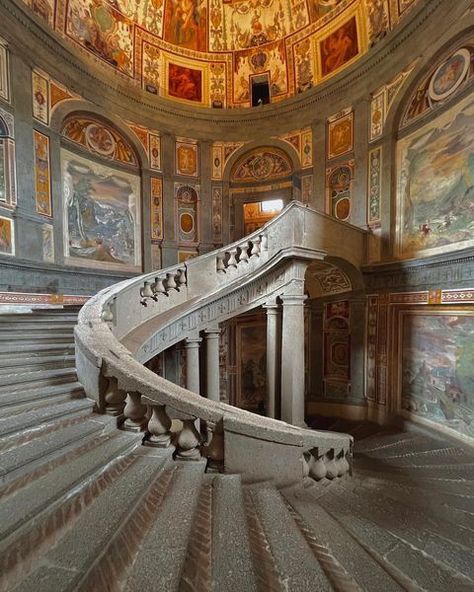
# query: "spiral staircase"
124, 481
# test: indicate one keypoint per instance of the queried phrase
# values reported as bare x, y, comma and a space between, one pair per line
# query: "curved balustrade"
125, 325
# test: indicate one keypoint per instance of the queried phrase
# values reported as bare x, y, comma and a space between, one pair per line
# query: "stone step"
95, 531
446, 544
20, 380
55, 326
338, 548
31, 455
433, 470
417, 458
163, 569
42, 337
445, 506
295, 566
383, 442
33, 396
412, 567
35, 350
232, 564
32, 363
35, 418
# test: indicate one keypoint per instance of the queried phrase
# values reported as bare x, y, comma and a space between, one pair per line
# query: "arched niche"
101, 190
254, 176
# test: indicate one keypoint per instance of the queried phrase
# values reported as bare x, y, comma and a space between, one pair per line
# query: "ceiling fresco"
210, 53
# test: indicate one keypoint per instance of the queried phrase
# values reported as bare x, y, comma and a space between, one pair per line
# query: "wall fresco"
251, 364
261, 164
339, 181
98, 137
156, 209
217, 215
185, 83
4, 72
341, 133
337, 349
187, 212
7, 237
7, 159
339, 48
374, 186
102, 214
437, 354
42, 174
47, 234
435, 184
186, 157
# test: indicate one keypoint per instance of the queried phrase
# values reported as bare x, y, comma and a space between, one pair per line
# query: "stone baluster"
114, 398
292, 370
170, 281
181, 277
188, 442
215, 450
255, 252
232, 262
220, 265
332, 470
342, 464
318, 470
107, 314
134, 412
158, 433
159, 287
264, 242
244, 252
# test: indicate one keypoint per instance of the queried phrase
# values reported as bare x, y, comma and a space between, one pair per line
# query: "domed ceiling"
216, 53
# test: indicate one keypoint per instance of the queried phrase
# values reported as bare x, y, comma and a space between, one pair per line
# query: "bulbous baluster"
215, 450
318, 469
114, 398
306, 461
134, 412
255, 252
158, 287
170, 281
107, 314
331, 466
187, 444
181, 277
244, 255
264, 242
220, 265
232, 262
146, 291
158, 433
342, 464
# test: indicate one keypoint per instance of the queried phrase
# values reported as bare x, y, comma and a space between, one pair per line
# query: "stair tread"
232, 567
30, 394
37, 362
161, 571
367, 572
69, 560
18, 377
36, 417
23, 456
27, 503
294, 559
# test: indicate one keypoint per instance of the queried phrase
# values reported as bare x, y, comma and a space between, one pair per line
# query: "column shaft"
272, 358
292, 360
212, 364
192, 364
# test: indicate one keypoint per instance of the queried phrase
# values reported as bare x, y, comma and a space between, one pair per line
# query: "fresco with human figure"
437, 357
102, 214
436, 184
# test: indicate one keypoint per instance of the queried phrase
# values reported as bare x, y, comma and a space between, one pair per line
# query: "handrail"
128, 323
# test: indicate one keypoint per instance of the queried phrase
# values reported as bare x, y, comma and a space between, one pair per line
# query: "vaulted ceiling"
211, 53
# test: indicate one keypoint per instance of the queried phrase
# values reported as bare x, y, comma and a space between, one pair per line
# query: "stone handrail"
127, 324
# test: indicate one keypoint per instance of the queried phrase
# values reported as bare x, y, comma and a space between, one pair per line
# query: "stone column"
292, 360
192, 364
212, 363
273, 351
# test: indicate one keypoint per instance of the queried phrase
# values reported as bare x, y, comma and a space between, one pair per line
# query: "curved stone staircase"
264, 505
86, 507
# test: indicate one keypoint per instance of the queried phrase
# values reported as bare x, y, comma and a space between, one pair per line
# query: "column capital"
192, 342
271, 307
293, 299
212, 331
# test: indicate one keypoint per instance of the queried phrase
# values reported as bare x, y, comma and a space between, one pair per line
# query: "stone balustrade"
115, 336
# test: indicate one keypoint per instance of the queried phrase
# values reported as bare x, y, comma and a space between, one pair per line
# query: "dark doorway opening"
260, 90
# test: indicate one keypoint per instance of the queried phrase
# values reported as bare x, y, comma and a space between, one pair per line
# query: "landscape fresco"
102, 214
437, 360
436, 183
